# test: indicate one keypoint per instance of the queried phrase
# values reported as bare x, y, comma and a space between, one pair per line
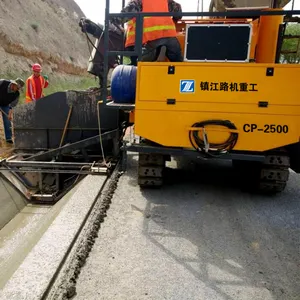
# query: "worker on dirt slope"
159, 32
35, 84
9, 97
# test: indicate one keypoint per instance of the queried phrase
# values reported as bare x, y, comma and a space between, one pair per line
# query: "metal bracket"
270, 72
263, 104
171, 70
205, 139
171, 101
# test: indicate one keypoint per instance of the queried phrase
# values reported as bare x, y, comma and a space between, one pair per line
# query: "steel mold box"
218, 42
40, 124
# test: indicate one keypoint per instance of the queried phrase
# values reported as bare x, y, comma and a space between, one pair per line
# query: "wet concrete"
200, 237
54, 237
23, 232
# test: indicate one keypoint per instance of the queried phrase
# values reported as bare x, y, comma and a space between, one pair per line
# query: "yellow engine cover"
262, 100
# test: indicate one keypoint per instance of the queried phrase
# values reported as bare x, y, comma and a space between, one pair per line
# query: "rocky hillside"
44, 31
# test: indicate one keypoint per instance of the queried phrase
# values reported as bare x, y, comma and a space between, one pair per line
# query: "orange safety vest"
154, 27
31, 80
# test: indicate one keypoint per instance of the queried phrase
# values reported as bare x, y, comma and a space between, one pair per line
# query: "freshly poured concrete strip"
18, 237
32, 278
23, 232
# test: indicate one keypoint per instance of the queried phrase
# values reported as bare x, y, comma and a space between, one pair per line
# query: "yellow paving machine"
231, 97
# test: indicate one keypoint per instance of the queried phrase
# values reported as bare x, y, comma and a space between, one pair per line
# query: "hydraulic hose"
201, 145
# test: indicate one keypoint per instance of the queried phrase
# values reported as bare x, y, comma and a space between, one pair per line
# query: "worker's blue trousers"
6, 122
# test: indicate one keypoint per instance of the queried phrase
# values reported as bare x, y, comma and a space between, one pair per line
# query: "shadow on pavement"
242, 246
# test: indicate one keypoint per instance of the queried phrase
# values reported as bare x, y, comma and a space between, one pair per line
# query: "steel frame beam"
233, 13
191, 153
93, 171
58, 165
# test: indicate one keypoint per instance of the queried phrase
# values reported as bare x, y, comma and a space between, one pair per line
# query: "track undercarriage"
270, 175
150, 167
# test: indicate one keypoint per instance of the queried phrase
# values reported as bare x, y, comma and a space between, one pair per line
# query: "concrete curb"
34, 275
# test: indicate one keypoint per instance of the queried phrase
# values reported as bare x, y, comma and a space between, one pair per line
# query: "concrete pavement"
199, 237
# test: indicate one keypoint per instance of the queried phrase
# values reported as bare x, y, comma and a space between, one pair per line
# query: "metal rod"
293, 3
280, 39
125, 53
69, 128
139, 35
66, 125
240, 13
53, 171
124, 38
41, 164
106, 50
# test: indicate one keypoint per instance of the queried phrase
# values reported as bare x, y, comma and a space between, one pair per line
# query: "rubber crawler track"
274, 173
269, 177
150, 170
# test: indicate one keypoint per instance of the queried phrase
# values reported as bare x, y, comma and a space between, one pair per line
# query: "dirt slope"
46, 31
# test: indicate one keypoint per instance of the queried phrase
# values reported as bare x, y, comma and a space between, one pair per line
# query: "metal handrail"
139, 28
237, 13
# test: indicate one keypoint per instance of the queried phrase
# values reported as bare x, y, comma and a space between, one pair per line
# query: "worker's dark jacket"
6, 97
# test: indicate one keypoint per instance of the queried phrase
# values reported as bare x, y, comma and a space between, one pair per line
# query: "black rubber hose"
199, 145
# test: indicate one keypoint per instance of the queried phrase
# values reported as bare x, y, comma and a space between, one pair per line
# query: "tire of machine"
270, 177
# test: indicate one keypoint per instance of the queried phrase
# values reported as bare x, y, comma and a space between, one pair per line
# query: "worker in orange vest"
159, 32
35, 84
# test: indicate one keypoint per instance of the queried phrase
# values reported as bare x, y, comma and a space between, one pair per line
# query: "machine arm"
87, 26
116, 43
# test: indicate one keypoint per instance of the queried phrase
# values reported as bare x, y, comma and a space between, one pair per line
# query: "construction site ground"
200, 237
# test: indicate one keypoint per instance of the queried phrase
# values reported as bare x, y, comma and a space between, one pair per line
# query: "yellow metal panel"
268, 36
157, 85
172, 129
260, 128
278, 111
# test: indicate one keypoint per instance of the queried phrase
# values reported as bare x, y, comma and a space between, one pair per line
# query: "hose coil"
200, 145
